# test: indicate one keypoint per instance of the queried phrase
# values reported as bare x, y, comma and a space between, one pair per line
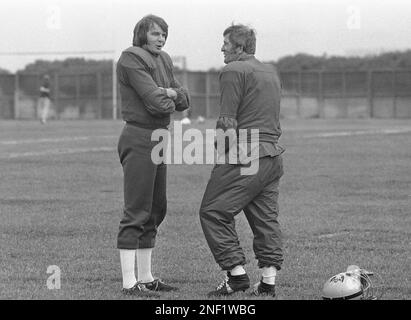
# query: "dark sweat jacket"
140, 74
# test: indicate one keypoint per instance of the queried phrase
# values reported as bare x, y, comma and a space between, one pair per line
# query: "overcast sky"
283, 27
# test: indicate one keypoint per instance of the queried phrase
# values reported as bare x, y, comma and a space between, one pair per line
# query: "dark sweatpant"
145, 200
227, 194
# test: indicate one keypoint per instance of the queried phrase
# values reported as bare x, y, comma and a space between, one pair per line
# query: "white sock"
269, 274
127, 261
237, 271
144, 265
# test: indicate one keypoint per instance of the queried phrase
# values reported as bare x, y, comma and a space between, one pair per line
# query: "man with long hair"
149, 94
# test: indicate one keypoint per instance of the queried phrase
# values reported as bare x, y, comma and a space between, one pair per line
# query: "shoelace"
138, 286
255, 290
141, 286
223, 284
157, 282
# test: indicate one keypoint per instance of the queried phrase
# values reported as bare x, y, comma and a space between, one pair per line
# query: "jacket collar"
245, 56
145, 47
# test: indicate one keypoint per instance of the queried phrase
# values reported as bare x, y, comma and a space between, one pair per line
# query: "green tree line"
388, 60
68, 65
300, 61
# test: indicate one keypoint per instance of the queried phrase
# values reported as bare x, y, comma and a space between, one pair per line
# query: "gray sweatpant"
227, 194
145, 198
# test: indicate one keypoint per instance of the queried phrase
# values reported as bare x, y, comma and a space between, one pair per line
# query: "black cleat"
230, 285
159, 285
140, 290
264, 289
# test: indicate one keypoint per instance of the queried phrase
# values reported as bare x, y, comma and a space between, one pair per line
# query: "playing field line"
62, 139
61, 151
356, 133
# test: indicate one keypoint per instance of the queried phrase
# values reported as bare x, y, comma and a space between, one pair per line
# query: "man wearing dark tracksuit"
250, 99
149, 94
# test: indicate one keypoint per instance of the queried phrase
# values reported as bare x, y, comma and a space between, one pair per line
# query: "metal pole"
370, 94
114, 88
99, 95
56, 95
114, 53
185, 75
186, 113
207, 97
16, 96
344, 94
300, 76
320, 95
77, 83
394, 91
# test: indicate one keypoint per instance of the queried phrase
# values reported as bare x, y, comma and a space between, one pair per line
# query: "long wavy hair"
144, 25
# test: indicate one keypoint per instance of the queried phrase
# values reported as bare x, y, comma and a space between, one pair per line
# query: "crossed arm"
157, 100
180, 97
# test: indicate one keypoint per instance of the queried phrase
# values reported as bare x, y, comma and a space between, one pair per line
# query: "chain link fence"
308, 94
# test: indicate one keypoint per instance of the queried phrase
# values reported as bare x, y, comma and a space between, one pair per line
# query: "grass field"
345, 199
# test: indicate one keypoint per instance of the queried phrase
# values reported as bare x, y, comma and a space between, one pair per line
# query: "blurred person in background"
44, 100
